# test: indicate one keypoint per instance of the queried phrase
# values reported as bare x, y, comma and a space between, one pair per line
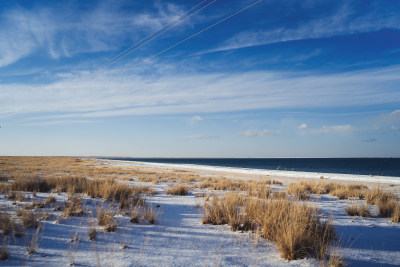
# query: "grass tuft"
361, 210
179, 190
294, 227
105, 219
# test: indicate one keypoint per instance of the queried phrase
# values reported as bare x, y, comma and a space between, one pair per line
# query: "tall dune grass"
293, 226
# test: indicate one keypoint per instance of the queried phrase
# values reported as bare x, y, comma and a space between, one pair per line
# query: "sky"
200, 78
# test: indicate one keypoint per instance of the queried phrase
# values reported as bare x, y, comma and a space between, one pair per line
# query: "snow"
178, 238
364, 241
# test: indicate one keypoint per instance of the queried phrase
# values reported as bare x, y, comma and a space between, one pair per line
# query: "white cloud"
387, 121
123, 91
61, 122
340, 129
340, 23
391, 117
256, 133
70, 31
302, 126
195, 119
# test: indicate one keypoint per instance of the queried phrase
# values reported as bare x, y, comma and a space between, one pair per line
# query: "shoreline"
281, 174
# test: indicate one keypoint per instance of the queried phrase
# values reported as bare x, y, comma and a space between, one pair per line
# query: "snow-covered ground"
178, 238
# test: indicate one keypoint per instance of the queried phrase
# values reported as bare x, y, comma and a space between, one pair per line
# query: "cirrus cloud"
339, 129
257, 133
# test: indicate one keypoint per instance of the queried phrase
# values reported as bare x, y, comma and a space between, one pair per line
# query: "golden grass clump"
149, 214
256, 188
178, 190
261, 191
134, 216
387, 203
396, 214
358, 210
74, 208
226, 210
50, 199
278, 195
105, 219
387, 208
29, 219
302, 189
377, 195
221, 183
151, 179
92, 233
294, 227
126, 178
6, 223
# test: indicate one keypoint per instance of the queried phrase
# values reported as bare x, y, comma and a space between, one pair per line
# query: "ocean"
352, 166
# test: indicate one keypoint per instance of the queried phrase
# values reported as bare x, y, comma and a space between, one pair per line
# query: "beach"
178, 235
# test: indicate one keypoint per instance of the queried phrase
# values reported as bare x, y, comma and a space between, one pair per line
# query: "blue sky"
279, 79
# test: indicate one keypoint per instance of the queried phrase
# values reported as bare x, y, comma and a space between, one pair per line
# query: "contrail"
163, 30
203, 30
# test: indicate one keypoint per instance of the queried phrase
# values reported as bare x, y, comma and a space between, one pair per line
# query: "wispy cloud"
387, 121
195, 119
63, 33
61, 122
257, 133
339, 129
392, 116
302, 126
124, 91
341, 22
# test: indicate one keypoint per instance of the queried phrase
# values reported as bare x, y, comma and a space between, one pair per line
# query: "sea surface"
354, 166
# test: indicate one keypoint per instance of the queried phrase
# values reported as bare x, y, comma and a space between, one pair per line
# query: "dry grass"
226, 184
4, 253
345, 191
377, 195
302, 189
105, 219
336, 260
20, 197
358, 210
387, 203
29, 219
278, 195
6, 223
294, 227
32, 244
179, 190
108, 189
386, 209
92, 233
149, 214
126, 178
134, 216
225, 210
151, 179
50, 199
396, 214
74, 208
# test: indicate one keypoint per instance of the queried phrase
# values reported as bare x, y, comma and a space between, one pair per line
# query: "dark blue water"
363, 166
